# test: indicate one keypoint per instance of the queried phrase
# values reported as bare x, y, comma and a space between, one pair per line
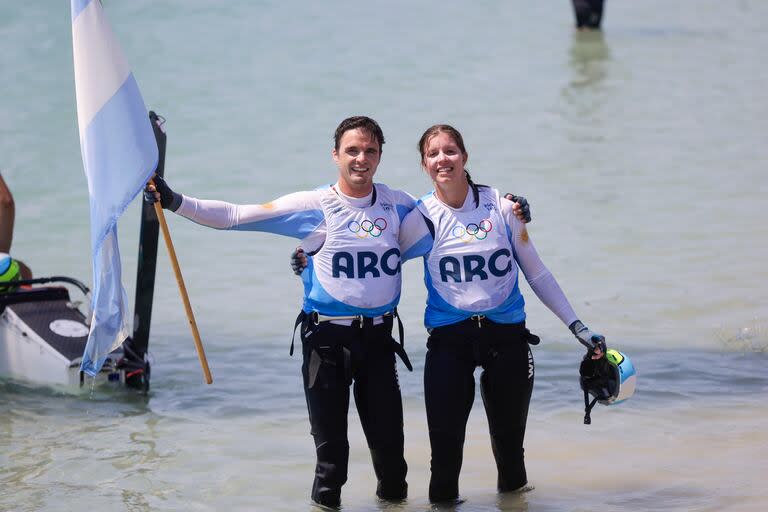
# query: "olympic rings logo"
365, 228
473, 231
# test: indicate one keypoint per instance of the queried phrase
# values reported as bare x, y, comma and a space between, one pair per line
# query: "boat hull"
42, 339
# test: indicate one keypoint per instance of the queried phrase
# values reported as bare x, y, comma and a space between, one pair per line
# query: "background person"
7, 219
589, 14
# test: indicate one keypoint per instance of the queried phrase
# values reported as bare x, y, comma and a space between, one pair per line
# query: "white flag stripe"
96, 54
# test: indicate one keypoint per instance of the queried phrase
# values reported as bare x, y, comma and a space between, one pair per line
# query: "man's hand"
521, 208
298, 261
160, 191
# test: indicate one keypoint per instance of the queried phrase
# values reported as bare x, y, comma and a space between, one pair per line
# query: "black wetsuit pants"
454, 351
335, 356
589, 13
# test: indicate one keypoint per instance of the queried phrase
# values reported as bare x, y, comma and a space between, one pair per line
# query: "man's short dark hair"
361, 122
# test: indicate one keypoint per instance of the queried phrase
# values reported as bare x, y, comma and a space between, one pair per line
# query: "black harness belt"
356, 322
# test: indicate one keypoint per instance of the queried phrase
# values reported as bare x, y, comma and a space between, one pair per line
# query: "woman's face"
444, 161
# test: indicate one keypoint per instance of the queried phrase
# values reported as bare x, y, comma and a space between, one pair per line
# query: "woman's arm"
539, 277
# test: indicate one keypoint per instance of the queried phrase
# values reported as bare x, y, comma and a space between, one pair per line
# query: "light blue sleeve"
415, 237
405, 203
295, 215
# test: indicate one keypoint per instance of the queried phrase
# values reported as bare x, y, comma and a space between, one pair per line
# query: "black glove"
169, 199
525, 208
298, 261
588, 338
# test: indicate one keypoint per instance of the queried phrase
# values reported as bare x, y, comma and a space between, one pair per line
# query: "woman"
473, 245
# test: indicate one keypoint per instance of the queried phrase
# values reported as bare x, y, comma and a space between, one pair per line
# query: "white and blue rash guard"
471, 259
355, 268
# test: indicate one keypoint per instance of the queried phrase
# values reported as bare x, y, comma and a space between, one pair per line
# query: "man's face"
357, 158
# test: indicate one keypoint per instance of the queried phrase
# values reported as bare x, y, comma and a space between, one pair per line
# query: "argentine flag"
119, 155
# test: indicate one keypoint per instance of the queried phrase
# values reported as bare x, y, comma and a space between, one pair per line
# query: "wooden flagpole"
182, 290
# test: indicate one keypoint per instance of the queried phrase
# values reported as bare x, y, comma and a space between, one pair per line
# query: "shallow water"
642, 151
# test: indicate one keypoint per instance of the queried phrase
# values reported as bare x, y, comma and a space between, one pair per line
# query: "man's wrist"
175, 202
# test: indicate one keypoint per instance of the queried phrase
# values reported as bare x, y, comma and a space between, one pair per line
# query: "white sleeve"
542, 281
296, 215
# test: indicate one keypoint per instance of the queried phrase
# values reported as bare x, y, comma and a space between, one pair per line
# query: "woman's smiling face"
444, 160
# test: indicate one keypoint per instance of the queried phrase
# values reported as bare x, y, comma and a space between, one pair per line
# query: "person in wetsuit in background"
589, 14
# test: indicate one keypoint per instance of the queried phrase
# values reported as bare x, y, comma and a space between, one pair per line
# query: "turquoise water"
642, 151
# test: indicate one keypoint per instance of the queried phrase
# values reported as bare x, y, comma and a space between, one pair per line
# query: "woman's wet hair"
359, 122
443, 128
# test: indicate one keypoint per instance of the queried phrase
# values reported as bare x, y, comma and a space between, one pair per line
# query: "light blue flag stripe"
109, 325
119, 155
77, 6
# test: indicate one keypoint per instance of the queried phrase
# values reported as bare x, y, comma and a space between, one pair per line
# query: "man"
350, 296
